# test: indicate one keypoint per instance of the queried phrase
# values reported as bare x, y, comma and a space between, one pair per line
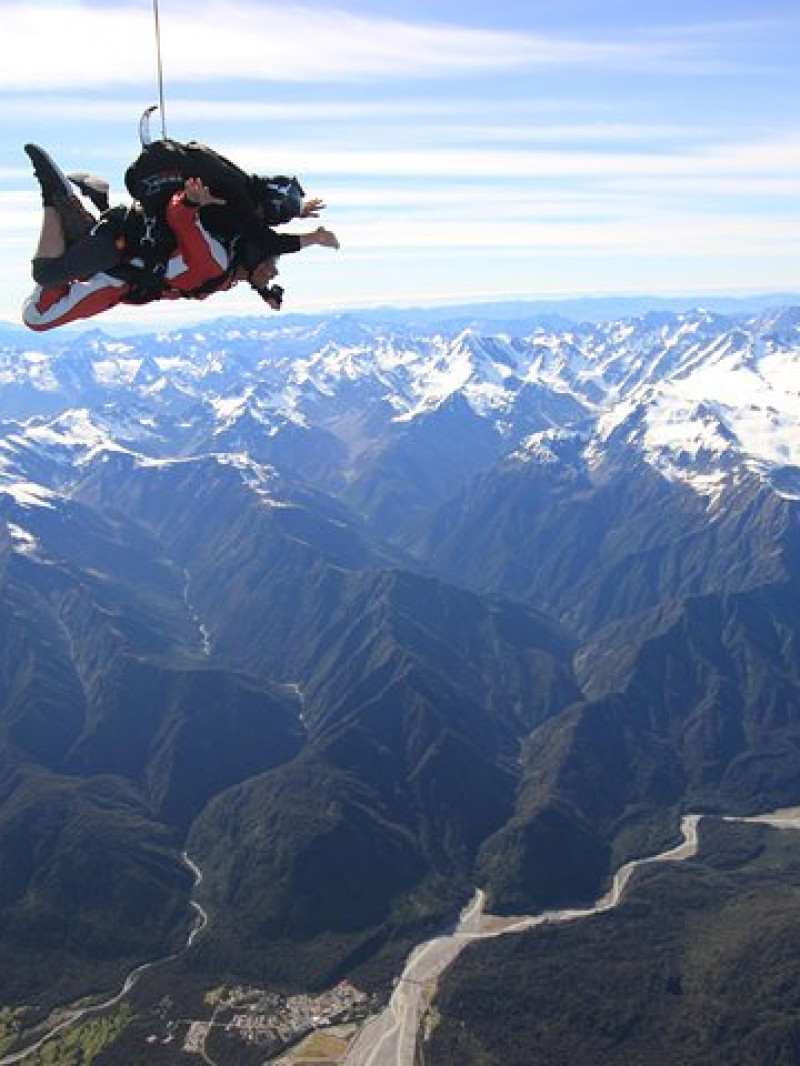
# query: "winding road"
73, 1016
390, 1038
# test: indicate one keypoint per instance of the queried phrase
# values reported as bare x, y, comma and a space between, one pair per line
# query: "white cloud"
20, 212
715, 187
207, 42
676, 234
82, 105
779, 157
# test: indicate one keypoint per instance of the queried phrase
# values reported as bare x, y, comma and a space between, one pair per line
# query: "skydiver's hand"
197, 193
325, 237
312, 207
264, 273
319, 236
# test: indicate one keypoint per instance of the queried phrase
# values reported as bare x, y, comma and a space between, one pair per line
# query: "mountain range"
362, 613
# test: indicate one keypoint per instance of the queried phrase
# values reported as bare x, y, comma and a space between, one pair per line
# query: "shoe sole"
41, 160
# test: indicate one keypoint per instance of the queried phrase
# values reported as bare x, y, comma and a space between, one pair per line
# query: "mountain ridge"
491, 607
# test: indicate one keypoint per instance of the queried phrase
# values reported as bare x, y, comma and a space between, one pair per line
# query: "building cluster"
266, 1017
273, 1021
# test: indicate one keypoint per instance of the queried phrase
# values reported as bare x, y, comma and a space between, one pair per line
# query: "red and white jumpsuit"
197, 260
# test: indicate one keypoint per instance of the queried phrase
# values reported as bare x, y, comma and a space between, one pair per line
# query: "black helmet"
281, 198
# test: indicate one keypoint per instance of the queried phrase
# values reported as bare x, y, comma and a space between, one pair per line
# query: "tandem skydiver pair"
197, 224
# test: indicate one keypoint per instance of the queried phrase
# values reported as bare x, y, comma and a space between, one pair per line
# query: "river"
72, 1016
390, 1038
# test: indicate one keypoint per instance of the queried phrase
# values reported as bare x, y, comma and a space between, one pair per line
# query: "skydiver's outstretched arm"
321, 236
266, 242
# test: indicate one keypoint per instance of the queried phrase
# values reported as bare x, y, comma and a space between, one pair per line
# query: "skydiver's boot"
94, 189
52, 181
57, 193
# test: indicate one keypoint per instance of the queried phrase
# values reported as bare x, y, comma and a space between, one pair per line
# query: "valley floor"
338, 1026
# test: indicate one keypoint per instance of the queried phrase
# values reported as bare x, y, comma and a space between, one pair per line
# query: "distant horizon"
135, 321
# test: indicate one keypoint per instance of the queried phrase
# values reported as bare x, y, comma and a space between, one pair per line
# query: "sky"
512, 149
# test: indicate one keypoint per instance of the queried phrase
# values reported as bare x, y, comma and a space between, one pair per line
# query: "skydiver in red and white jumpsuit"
76, 260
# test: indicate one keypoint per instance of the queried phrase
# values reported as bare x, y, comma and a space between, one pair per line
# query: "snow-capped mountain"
365, 614
699, 396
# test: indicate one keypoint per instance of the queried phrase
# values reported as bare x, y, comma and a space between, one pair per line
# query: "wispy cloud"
688, 235
231, 105
776, 157
428, 117
207, 42
82, 106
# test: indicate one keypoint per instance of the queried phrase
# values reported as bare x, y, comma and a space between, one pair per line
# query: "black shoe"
52, 181
94, 189
76, 221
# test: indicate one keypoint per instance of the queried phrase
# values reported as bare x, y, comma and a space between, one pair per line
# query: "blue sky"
467, 151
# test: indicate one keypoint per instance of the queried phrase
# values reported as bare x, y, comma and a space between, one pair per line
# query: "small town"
271, 1021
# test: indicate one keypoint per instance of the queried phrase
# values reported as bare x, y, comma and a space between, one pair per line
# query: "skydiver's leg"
57, 193
51, 238
71, 244
53, 306
94, 254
